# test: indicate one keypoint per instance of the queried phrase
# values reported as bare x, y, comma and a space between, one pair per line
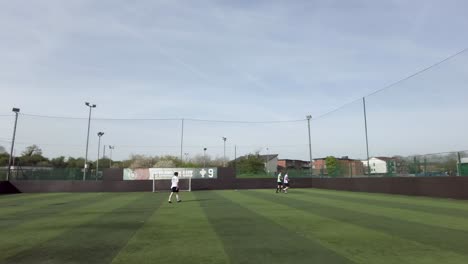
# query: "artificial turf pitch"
254, 226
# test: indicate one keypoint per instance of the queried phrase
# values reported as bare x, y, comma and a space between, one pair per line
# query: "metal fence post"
367, 138
12, 159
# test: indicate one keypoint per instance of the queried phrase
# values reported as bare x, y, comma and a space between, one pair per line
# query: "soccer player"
175, 187
286, 183
279, 181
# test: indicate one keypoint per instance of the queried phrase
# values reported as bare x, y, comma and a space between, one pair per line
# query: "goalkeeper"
175, 187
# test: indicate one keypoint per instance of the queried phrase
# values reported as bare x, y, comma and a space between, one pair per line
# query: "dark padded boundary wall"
444, 187
7, 188
441, 187
112, 182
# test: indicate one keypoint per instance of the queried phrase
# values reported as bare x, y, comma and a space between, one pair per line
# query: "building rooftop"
268, 156
263, 157
384, 158
342, 158
293, 160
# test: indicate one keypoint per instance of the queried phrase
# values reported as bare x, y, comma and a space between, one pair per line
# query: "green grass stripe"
359, 244
42, 207
96, 241
176, 233
416, 200
33, 233
389, 203
433, 219
251, 238
443, 238
22, 198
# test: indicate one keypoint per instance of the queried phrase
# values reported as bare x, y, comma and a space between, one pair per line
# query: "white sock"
177, 196
170, 196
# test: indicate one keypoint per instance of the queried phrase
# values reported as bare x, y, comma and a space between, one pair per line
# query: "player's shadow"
196, 200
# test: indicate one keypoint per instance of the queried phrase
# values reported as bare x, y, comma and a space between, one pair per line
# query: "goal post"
161, 179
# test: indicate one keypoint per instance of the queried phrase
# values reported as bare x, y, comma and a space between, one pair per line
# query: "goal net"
161, 179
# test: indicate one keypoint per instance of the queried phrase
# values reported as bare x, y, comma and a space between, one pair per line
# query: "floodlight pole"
100, 134
110, 156
182, 142
91, 106
16, 111
367, 138
235, 157
204, 157
309, 117
267, 160
224, 159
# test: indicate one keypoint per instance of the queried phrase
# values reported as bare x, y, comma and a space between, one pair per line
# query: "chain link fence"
376, 135
47, 173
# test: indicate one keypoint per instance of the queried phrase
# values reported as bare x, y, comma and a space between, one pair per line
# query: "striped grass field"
254, 226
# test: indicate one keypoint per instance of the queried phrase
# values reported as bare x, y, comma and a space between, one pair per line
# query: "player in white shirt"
279, 181
286, 183
175, 187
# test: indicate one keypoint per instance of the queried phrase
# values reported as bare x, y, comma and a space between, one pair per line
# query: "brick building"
293, 164
346, 167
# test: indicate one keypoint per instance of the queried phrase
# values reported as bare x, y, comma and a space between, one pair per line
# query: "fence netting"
415, 127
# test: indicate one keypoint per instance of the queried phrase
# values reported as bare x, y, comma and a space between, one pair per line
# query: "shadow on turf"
195, 200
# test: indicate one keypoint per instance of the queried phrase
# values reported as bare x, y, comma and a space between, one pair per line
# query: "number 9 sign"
211, 173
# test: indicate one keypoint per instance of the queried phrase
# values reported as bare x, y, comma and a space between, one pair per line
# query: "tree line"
437, 164
32, 156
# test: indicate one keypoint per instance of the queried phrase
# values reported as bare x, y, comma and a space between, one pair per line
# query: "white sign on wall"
167, 173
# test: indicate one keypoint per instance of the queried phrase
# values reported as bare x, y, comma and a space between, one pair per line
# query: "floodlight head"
86, 103
100, 134
224, 138
93, 106
309, 117
204, 149
16, 110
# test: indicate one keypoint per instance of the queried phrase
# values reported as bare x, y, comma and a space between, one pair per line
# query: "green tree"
169, 160
191, 165
32, 156
59, 162
142, 161
32, 150
4, 158
104, 163
33, 160
415, 166
391, 168
332, 166
75, 163
122, 164
164, 164
450, 165
251, 164
201, 160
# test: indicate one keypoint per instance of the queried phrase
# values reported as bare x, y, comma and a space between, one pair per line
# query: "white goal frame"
156, 178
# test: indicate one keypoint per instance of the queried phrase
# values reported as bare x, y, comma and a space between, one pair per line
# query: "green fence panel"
70, 174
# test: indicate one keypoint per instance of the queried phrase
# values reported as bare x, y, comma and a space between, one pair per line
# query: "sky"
234, 61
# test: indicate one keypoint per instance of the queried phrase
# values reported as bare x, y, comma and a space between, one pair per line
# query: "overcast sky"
235, 60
